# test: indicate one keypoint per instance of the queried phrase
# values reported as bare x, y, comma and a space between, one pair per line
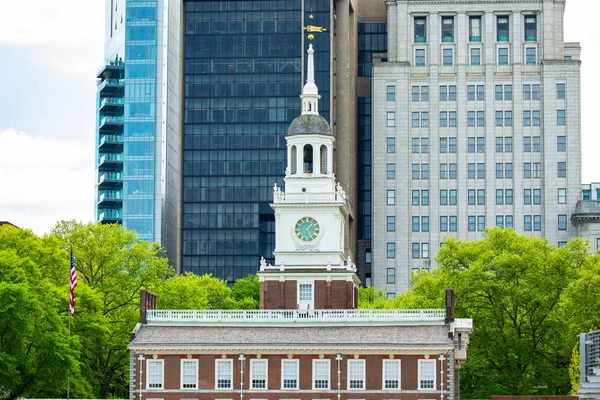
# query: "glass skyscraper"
137, 134
242, 76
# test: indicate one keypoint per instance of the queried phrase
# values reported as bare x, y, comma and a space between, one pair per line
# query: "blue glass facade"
127, 117
242, 80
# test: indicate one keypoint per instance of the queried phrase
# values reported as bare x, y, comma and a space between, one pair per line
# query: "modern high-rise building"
194, 101
138, 125
476, 123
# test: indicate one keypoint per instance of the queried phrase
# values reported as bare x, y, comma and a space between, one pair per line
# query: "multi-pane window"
420, 57
504, 145
425, 197
448, 118
258, 374
531, 91
481, 223
531, 144
391, 223
424, 250
475, 29
481, 196
470, 118
503, 92
503, 56
471, 223
391, 275
532, 170
530, 55
537, 222
526, 118
504, 118
155, 374
391, 197
305, 292
321, 372
189, 374
561, 169
530, 28
391, 145
391, 374
560, 91
480, 118
224, 372
420, 29
447, 57
391, 93
504, 170
289, 374
448, 197
480, 171
504, 221
391, 171
391, 250
416, 250
447, 29
560, 117
587, 194
453, 223
561, 143
356, 374
443, 224
504, 196
448, 145
527, 223
531, 118
426, 374
448, 93
475, 93
475, 56
391, 119
562, 196
423, 226
502, 29
562, 222
420, 119
420, 93
476, 171
471, 196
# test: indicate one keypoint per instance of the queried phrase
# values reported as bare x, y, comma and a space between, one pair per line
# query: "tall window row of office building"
477, 118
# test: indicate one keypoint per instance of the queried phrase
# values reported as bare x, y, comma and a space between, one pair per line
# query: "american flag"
73, 285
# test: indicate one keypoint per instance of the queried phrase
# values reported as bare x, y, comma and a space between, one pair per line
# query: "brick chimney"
147, 302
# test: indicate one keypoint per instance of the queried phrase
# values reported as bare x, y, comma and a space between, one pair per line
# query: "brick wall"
374, 381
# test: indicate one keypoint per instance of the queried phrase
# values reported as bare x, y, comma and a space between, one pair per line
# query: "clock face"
307, 229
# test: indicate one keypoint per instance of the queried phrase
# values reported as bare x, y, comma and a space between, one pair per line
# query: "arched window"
324, 159
308, 159
293, 160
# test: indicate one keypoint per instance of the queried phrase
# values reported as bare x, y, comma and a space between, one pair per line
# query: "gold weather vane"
313, 29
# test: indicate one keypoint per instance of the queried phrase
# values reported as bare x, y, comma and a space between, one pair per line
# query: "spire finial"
310, 94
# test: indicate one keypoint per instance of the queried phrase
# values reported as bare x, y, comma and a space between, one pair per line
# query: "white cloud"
43, 181
66, 35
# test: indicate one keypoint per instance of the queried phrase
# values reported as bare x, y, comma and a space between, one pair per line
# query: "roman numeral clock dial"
307, 229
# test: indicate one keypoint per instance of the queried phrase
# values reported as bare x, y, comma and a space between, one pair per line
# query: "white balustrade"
294, 316
335, 197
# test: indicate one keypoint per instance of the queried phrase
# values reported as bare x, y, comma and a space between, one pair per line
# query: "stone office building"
476, 118
308, 340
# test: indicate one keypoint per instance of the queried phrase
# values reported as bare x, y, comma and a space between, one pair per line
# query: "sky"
50, 52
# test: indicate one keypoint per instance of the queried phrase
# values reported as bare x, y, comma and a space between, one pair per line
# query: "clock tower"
311, 269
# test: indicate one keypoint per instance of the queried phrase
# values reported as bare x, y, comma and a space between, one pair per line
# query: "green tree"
511, 286
246, 292
192, 292
574, 371
36, 353
114, 265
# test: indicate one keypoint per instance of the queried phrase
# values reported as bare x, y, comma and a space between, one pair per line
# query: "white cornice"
432, 350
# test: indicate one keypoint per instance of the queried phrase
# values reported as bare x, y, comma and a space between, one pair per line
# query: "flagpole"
69, 369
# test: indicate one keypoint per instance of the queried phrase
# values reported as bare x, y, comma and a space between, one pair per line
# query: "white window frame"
363, 362
384, 374
252, 363
193, 361
303, 303
283, 363
421, 362
328, 363
148, 369
217, 362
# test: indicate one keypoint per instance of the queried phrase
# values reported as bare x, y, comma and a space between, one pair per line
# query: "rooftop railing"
293, 316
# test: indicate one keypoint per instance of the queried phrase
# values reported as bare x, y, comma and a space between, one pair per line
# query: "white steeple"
310, 94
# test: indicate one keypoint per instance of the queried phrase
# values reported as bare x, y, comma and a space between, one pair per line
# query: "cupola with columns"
311, 269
